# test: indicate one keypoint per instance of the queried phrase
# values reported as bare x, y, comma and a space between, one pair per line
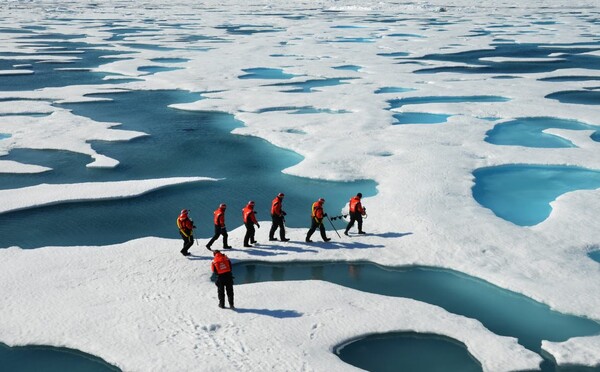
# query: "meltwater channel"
501, 311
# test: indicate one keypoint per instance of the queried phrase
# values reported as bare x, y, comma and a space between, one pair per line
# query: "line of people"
221, 265
186, 225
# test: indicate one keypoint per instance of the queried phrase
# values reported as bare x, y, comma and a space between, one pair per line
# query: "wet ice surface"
329, 82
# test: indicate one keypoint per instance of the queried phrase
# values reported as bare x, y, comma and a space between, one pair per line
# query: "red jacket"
220, 264
276, 206
249, 215
356, 206
219, 218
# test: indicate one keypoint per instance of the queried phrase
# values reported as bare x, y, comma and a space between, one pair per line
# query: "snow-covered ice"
142, 306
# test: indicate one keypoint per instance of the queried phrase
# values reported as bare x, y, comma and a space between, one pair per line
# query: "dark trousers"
250, 231
225, 283
355, 216
277, 223
188, 241
218, 232
313, 226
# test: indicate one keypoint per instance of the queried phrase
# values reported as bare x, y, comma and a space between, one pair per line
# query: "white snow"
142, 306
47, 194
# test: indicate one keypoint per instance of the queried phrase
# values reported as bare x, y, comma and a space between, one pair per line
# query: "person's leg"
221, 292
313, 227
188, 241
229, 288
282, 230
224, 233
274, 225
215, 237
323, 234
359, 219
248, 236
350, 224
252, 231
187, 245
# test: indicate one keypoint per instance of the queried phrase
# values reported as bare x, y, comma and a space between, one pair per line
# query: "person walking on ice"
221, 265
357, 211
186, 230
278, 218
220, 229
249, 217
317, 216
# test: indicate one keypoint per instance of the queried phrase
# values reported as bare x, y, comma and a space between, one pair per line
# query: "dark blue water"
302, 110
406, 35
393, 54
408, 352
581, 97
529, 132
265, 73
501, 311
347, 68
419, 118
169, 60
350, 40
155, 69
50, 359
399, 102
48, 74
392, 90
522, 193
180, 143
309, 85
573, 57
570, 78
248, 29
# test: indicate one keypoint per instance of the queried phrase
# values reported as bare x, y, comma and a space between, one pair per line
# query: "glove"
258, 225
324, 214
223, 228
283, 213
193, 227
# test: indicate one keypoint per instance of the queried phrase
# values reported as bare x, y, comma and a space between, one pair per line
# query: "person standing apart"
219, 220
249, 216
186, 230
278, 218
221, 265
317, 216
357, 211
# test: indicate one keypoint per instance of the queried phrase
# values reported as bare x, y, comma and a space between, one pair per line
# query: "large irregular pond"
501, 311
522, 193
180, 143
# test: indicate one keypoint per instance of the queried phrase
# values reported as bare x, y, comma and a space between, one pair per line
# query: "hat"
222, 205
321, 200
251, 202
280, 195
184, 211
359, 195
215, 251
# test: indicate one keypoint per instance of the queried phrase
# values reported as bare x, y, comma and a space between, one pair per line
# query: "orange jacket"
317, 211
220, 264
356, 206
219, 218
276, 206
249, 215
185, 225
